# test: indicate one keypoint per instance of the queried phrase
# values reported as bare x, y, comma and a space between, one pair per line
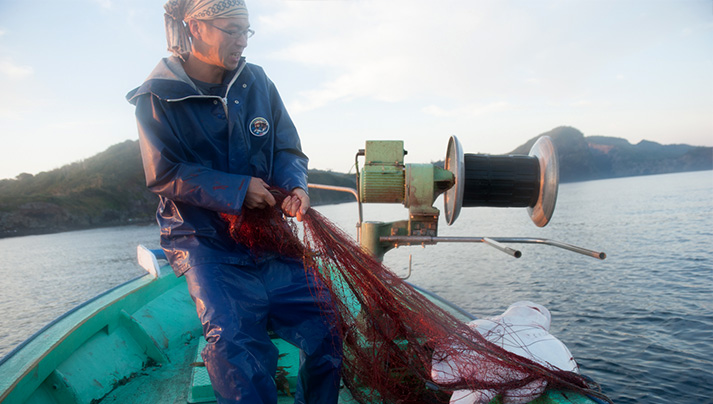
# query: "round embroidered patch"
259, 126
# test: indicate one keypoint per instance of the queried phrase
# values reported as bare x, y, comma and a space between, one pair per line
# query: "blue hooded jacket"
200, 151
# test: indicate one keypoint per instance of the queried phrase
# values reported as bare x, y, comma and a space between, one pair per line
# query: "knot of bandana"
179, 11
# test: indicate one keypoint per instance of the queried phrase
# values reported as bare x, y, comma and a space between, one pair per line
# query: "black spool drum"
501, 181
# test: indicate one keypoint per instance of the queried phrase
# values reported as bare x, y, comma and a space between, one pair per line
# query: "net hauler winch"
513, 181
466, 180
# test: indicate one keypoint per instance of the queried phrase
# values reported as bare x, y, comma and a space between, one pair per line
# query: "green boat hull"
138, 343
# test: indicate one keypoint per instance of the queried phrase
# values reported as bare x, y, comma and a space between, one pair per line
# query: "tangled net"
389, 330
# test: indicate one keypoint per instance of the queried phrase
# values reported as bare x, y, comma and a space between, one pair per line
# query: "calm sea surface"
639, 322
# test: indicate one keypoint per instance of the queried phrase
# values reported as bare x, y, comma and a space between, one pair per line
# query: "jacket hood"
167, 81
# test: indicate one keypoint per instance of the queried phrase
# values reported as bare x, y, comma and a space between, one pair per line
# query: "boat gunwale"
36, 356
62, 316
450, 305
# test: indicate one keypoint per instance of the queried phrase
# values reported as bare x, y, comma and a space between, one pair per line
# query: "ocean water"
640, 322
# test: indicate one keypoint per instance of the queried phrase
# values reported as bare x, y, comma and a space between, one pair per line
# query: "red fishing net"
390, 331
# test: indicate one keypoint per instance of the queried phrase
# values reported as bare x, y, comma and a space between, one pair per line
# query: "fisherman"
215, 137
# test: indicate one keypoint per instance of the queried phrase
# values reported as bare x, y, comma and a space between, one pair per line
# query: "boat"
140, 342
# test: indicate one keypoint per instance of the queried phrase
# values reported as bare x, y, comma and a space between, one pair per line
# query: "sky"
493, 73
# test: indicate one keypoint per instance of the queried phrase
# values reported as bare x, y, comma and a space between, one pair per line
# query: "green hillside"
107, 189
104, 190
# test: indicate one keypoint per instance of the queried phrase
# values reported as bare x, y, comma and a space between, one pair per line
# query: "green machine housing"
469, 180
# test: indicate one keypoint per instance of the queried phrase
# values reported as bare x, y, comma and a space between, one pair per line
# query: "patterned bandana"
178, 11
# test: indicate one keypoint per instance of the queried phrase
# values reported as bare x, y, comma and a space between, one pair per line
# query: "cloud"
458, 52
583, 103
105, 4
13, 71
366, 81
19, 99
395, 51
468, 110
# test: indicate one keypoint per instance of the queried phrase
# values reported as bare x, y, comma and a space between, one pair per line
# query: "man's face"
225, 40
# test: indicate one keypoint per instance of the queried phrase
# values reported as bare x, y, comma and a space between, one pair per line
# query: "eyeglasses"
234, 34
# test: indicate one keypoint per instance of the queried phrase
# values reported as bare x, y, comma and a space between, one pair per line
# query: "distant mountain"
109, 188
595, 157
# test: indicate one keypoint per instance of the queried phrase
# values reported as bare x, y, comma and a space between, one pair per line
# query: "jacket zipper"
224, 101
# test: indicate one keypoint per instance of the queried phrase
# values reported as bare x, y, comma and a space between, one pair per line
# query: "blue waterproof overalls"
199, 154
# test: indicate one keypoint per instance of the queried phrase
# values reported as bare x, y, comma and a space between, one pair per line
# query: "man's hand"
258, 196
296, 204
